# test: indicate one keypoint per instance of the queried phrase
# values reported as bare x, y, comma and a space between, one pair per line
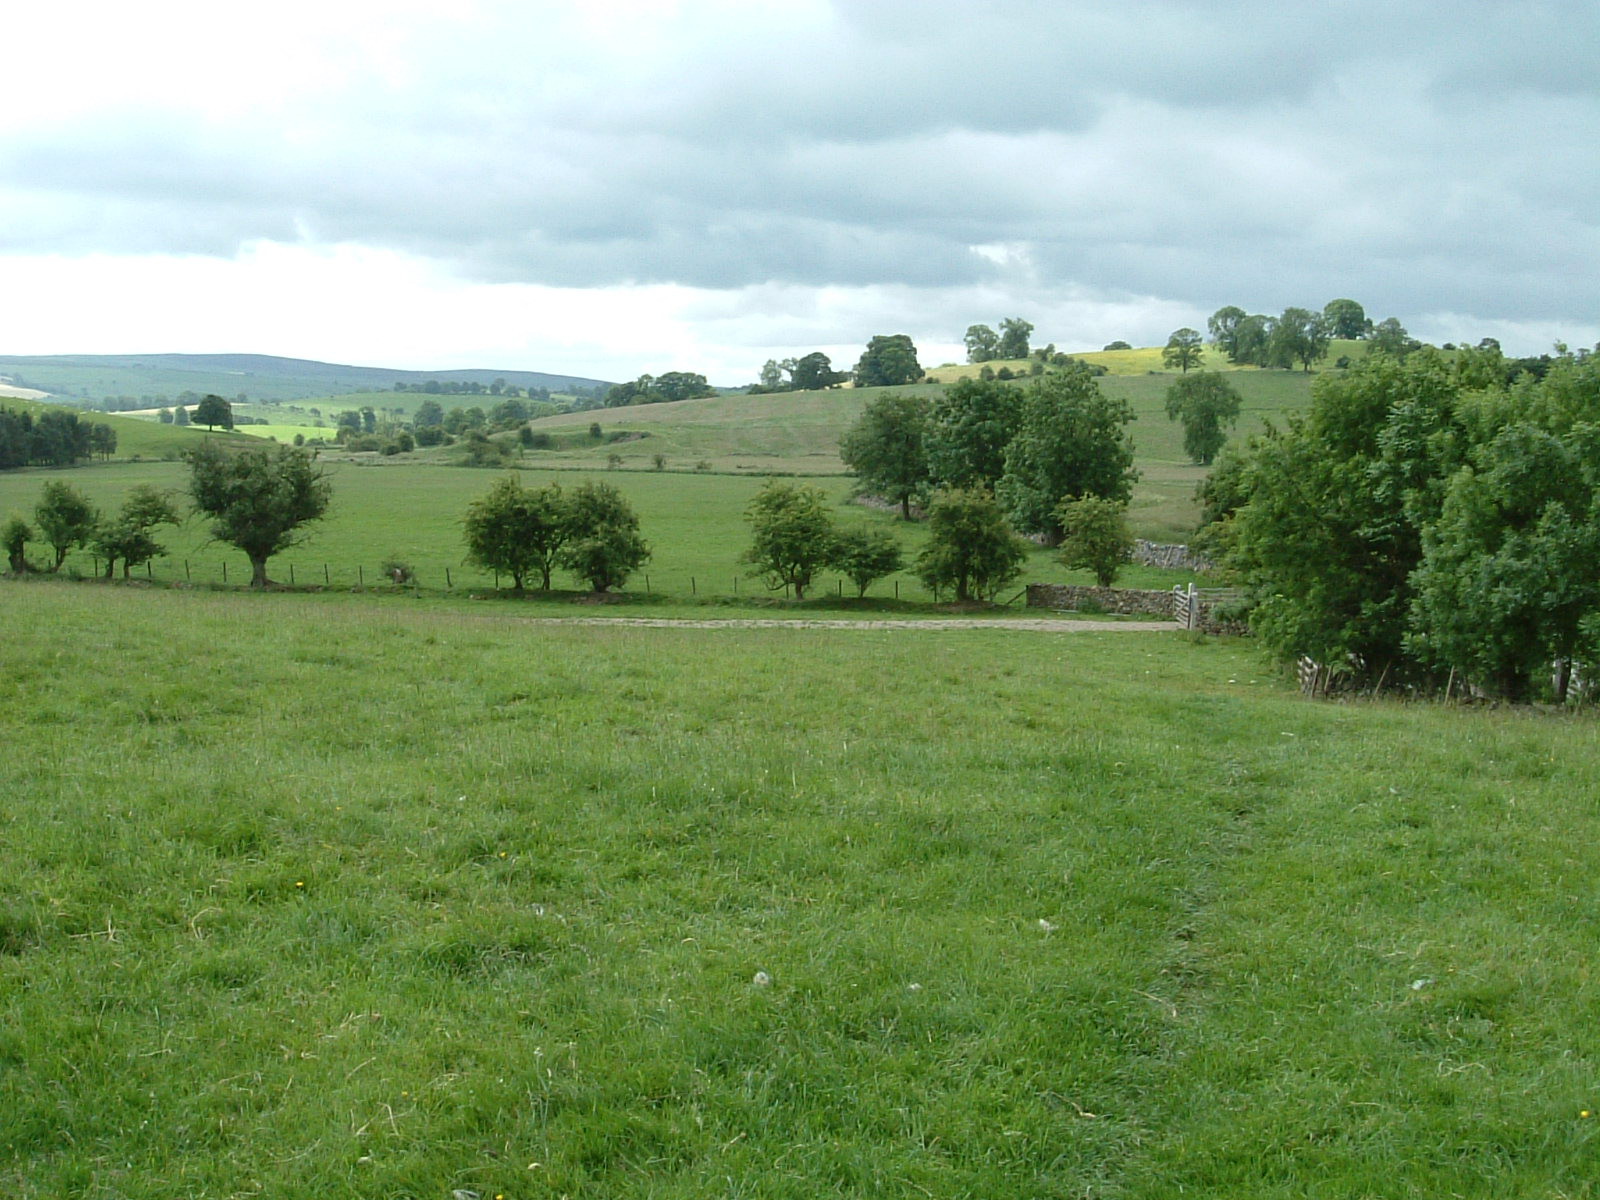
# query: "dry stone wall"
1125, 601
1173, 557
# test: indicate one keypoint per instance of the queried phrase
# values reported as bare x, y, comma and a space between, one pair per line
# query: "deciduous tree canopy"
259, 500
1206, 403
970, 546
1183, 350
885, 448
1413, 524
890, 360
792, 535
1071, 441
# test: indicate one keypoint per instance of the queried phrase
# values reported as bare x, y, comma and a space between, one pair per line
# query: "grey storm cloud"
1419, 158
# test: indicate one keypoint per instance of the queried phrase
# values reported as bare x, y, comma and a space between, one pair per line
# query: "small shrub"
398, 572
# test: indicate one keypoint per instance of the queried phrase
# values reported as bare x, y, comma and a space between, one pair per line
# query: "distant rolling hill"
81, 377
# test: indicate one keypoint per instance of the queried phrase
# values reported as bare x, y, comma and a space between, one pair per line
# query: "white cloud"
648, 184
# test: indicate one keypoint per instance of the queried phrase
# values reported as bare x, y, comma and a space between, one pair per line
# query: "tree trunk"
111, 568
258, 572
905, 508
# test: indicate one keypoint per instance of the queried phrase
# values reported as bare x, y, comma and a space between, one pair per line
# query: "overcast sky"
625, 186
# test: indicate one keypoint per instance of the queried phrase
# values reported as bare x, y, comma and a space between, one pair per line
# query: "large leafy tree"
1183, 350
1251, 341
213, 411
1206, 403
1014, 335
604, 545
970, 548
259, 500
969, 427
814, 373
1511, 568
885, 448
1298, 336
518, 531
772, 376
65, 518
1072, 441
890, 360
1328, 514
1224, 326
1390, 337
792, 535
982, 342
1346, 319
683, 385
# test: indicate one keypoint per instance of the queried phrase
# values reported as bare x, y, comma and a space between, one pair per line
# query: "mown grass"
307, 896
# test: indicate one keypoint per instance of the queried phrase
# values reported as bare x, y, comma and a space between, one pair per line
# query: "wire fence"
234, 571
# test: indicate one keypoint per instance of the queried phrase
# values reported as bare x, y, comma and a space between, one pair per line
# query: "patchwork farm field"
310, 896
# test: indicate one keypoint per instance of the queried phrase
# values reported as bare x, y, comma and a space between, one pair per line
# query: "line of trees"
64, 519
659, 389
54, 437
261, 500
453, 387
1431, 521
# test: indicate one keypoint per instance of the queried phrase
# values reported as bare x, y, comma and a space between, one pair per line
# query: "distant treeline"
54, 438
453, 387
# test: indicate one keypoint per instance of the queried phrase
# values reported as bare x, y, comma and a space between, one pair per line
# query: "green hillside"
799, 432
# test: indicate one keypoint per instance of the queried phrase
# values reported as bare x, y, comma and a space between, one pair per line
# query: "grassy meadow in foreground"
349, 899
